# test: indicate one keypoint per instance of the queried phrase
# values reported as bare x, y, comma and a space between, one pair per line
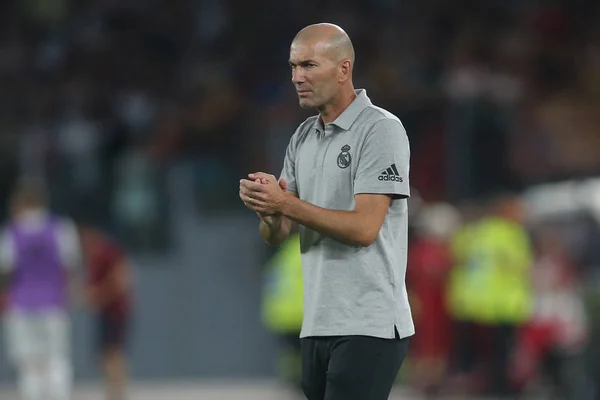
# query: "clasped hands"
264, 194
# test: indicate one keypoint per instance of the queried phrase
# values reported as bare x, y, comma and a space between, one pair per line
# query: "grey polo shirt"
351, 290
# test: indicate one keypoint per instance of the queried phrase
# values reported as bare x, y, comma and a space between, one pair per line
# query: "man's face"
314, 73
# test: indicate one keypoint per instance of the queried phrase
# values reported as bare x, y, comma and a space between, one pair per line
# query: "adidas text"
392, 178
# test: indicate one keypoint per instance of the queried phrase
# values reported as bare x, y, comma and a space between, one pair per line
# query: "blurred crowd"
102, 97
501, 301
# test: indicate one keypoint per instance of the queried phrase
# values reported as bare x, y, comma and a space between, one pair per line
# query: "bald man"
345, 182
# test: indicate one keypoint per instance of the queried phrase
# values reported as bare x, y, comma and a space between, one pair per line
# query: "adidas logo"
391, 174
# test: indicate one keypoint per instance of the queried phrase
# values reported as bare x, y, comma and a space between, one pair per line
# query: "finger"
257, 206
258, 196
259, 191
251, 199
248, 199
283, 184
262, 175
248, 203
252, 186
244, 192
249, 196
257, 175
246, 182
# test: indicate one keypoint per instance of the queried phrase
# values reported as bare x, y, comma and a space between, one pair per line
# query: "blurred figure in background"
108, 295
490, 294
429, 265
39, 253
282, 308
550, 346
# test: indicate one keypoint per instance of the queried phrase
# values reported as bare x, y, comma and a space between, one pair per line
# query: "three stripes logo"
391, 174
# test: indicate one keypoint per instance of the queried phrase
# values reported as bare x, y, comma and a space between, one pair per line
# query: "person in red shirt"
551, 344
429, 264
108, 294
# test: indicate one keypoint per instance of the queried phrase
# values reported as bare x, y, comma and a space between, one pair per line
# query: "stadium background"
143, 116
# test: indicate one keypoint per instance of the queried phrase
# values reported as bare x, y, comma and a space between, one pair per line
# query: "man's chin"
305, 103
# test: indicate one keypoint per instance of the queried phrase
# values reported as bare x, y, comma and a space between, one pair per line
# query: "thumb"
283, 184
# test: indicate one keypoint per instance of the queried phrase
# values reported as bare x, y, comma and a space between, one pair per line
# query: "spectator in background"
551, 344
490, 292
109, 297
282, 308
38, 254
429, 265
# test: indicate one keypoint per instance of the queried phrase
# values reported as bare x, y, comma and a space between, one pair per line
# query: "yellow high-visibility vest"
282, 303
490, 282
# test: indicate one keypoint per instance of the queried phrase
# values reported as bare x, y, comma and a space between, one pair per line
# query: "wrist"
286, 204
271, 220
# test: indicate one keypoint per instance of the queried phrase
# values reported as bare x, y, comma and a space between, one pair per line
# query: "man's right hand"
272, 219
274, 227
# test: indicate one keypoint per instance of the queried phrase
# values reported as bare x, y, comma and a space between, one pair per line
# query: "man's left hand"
266, 197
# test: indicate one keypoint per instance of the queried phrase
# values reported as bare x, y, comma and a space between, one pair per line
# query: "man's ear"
345, 71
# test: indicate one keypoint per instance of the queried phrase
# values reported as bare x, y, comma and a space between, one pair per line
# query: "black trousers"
496, 349
112, 331
351, 367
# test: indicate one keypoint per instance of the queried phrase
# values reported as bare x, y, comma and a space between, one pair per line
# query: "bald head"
335, 41
322, 60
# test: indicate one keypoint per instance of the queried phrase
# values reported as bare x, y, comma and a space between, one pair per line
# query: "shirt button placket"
327, 135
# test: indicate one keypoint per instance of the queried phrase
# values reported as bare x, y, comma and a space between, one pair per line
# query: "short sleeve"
289, 163
107, 257
384, 161
7, 252
69, 246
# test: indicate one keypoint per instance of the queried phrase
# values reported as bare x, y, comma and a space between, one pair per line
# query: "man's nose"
298, 76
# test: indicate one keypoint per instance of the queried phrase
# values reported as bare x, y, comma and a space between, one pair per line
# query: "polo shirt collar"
350, 114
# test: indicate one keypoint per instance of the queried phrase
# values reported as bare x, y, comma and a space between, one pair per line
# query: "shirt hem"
372, 190
403, 333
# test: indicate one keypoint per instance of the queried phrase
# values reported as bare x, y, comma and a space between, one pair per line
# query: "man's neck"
31, 218
331, 111
31, 214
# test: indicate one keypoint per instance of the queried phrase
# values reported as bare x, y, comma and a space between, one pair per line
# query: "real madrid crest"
344, 158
